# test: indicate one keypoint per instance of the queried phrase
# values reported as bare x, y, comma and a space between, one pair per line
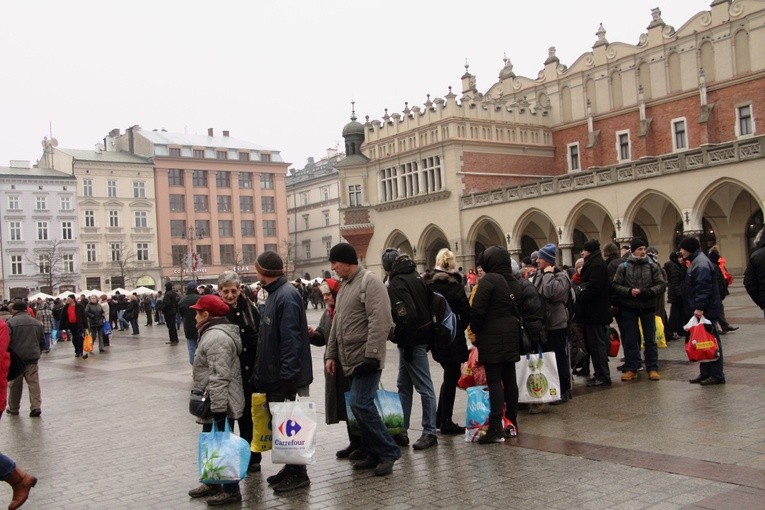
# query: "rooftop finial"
467, 66
353, 111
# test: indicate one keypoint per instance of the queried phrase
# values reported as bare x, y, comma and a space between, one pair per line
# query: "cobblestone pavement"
115, 433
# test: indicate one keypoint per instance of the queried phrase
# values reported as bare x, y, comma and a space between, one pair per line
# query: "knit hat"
330, 286
636, 243
534, 256
212, 304
690, 244
591, 246
19, 306
548, 252
192, 286
345, 253
269, 263
389, 256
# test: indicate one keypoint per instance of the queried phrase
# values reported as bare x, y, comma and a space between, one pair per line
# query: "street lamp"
193, 257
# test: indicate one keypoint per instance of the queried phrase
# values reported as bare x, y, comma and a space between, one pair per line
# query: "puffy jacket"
592, 305
493, 316
642, 274
95, 315
701, 289
450, 286
675, 281
554, 288
216, 367
283, 351
170, 303
754, 275
359, 330
410, 304
27, 339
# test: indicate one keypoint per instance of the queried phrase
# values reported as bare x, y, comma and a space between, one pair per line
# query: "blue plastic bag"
223, 456
477, 415
54, 337
107, 328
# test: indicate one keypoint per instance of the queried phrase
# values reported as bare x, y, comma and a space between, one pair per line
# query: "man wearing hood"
410, 301
754, 275
637, 285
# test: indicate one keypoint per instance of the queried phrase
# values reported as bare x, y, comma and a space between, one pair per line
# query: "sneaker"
294, 480
359, 453
384, 468
278, 477
629, 375
448, 427
401, 439
654, 375
496, 436
204, 490
425, 441
34, 413
224, 498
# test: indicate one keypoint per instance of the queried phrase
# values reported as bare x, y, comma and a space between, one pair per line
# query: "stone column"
566, 254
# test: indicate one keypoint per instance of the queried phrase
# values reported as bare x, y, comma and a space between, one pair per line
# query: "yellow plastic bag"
87, 344
261, 424
661, 340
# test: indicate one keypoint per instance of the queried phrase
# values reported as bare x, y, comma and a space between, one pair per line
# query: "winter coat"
701, 289
283, 350
95, 315
675, 281
450, 286
754, 275
554, 287
5, 362
493, 316
27, 339
532, 308
642, 274
216, 367
335, 385
410, 305
170, 303
360, 330
245, 316
80, 325
592, 305
131, 312
189, 315
45, 316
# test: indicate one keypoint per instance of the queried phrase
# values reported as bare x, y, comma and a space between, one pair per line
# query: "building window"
328, 245
66, 230
177, 203
270, 247
42, 230
226, 253
179, 255
744, 121
87, 187
265, 158
90, 252
623, 145
17, 266
679, 140
248, 228
115, 250
114, 219
200, 203
573, 157
326, 218
90, 218
266, 181
307, 249
201, 228
249, 253
224, 203
221, 155
111, 188
141, 219
14, 228
199, 178
68, 261
175, 177
269, 228
431, 174
223, 179
325, 193
41, 204
225, 228
13, 202
199, 153
245, 204
66, 203
204, 254
43, 264
304, 198
354, 195
245, 180
142, 251
175, 152
305, 221
244, 156
177, 228
139, 189
267, 204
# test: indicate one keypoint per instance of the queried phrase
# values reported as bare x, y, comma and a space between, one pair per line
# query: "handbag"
613, 342
107, 329
262, 436
199, 403
388, 404
17, 365
701, 344
294, 432
537, 378
87, 343
223, 456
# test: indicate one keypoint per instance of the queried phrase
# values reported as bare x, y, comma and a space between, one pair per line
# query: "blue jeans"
56, 325
415, 374
121, 322
631, 339
191, 343
374, 435
7, 466
47, 341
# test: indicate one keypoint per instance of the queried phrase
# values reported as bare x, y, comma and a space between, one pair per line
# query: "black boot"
346, 452
495, 434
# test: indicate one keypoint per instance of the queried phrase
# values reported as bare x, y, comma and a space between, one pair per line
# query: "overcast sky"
278, 73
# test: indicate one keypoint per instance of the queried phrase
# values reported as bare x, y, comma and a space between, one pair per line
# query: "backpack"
443, 324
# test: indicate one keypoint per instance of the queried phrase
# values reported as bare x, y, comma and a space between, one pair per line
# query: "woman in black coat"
448, 282
494, 320
675, 270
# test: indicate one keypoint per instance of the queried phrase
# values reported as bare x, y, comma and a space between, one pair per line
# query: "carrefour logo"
289, 428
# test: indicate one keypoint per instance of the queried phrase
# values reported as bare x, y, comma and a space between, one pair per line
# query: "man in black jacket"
410, 302
593, 311
170, 310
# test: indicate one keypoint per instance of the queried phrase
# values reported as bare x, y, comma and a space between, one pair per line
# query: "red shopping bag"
613, 342
473, 373
701, 344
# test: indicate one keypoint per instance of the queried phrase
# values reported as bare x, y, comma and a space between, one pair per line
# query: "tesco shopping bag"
223, 456
294, 432
537, 376
701, 344
261, 424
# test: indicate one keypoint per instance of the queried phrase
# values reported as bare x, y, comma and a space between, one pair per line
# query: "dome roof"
353, 128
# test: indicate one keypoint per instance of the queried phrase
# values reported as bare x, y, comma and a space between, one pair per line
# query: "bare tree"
287, 253
125, 263
181, 262
53, 270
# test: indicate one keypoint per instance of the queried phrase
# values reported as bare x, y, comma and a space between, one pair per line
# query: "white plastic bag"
294, 432
695, 322
537, 377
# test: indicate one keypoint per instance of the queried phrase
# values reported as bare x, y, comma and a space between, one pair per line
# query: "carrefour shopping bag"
261, 424
294, 432
223, 456
537, 377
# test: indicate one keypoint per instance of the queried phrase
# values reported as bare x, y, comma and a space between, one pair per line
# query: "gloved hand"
368, 366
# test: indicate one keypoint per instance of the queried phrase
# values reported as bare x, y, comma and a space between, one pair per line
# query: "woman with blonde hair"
448, 282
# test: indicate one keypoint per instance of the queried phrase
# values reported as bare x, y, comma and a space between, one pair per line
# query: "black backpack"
443, 326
